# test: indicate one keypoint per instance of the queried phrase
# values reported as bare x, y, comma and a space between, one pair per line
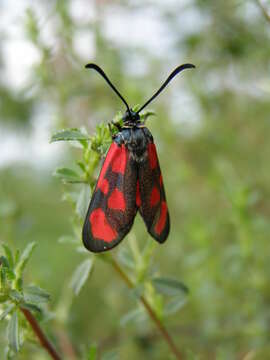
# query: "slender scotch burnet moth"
130, 180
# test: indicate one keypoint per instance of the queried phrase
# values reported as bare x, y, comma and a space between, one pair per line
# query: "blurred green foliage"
211, 130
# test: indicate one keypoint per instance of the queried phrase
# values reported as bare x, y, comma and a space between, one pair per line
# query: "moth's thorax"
136, 139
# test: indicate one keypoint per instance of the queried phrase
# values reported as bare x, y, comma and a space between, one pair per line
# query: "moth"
130, 180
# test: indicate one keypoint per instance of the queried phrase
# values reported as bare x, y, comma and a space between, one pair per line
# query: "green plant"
157, 296
21, 305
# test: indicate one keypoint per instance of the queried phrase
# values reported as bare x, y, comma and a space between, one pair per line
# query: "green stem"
44, 341
163, 331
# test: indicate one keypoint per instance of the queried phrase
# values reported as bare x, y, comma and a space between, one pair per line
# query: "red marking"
162, 218
103, 185
117, 157
152, 153
138, 196
119, 160
101, 229
155, 197
117, 201
160, 180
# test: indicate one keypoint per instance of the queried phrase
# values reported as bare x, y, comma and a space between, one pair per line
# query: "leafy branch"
151, 291
16, 299
163, 331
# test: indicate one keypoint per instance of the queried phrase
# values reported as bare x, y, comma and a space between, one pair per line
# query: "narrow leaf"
3, 277
9, 255
24, 258
10, 274
16, 296
168, 286
69, 135
68, 175
36, 295
6, 311
174, 305
13, 332
80, 275
31, 307
83, 201
4, 261
133, 316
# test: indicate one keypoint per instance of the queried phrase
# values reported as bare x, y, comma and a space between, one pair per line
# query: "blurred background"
212, 132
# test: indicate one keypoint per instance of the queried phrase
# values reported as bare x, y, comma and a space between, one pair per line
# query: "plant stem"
44, 341
163, 331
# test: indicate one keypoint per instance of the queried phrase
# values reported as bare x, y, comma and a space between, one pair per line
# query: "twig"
65, 345
44, 341
150, 311
264, 10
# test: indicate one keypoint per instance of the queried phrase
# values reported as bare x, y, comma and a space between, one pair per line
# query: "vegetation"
204, 294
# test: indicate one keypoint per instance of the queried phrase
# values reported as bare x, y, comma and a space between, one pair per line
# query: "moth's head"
131, 116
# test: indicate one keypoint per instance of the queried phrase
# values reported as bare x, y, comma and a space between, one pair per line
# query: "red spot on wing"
155, 197
117, 201
152, 153
160, 180
138, 195
101, 229
103, 185
119, 160
162, 218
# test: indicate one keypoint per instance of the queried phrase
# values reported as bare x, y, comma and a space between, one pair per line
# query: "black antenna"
171, 76
102, 73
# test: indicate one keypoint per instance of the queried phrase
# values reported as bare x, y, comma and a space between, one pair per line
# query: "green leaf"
8, 309
72, 134
133, 316
68, 175
36, 295
118, 118
168, 286
83, 201
174, 305
17, 256
146, 114
9, 255
4, 262
13, 332
16, 296
10, 275
3, 277
92, 354
136, 107
81, 166
24, 258
80, 275
31, 307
